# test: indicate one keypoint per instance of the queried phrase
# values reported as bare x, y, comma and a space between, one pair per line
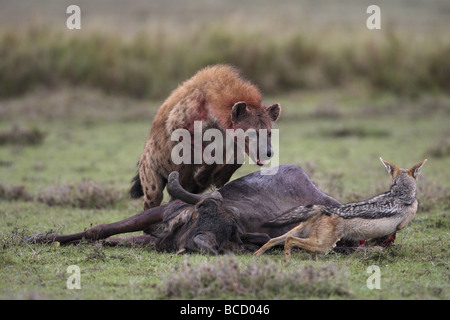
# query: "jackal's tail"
295, 215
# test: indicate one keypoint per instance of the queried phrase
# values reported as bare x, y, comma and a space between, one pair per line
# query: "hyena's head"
256, 123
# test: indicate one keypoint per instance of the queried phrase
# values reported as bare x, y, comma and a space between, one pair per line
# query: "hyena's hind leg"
152, 187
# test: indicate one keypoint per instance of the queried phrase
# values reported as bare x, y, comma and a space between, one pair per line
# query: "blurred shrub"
440, 148
151, 65
13, 193
17, 135
86, 194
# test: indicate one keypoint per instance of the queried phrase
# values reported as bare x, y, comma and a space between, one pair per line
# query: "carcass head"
212, 224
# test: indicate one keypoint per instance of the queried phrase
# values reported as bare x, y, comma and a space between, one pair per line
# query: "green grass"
104, 152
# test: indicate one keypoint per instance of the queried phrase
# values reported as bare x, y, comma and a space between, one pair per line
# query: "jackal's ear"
274, 111
238, 111
415, 169
391, 168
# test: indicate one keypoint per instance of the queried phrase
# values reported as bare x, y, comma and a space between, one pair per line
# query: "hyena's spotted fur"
220, 98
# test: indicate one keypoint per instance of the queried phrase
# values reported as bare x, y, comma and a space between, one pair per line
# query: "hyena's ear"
274, 111
415, 169
238, 111
391, 168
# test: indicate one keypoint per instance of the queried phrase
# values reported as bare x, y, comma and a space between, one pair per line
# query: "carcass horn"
177, 191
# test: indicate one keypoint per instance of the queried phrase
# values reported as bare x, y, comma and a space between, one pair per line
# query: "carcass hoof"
37, 238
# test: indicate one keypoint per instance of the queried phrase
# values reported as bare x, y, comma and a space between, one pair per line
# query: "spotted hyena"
220, 98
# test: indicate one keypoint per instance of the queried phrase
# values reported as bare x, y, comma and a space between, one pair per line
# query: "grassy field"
94, 159
75, 110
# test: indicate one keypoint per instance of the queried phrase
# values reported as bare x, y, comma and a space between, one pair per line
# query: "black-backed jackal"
322, 226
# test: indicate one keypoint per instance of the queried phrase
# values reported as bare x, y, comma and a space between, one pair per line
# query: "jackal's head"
395, 171
404, 180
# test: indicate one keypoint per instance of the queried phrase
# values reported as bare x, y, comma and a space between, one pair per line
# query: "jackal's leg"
279, 240
313, 244
271, 243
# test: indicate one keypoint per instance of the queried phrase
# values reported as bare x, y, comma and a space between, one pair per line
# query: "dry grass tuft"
226, 278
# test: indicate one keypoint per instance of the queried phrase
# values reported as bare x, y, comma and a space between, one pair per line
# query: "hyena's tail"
295, 215
136, 190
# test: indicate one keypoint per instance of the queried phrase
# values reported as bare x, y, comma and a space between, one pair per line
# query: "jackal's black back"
294, 215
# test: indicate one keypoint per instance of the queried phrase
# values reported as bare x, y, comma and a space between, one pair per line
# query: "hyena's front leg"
203, 176
222, 176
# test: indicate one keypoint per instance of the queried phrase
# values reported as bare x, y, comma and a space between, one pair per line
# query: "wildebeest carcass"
228, 219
